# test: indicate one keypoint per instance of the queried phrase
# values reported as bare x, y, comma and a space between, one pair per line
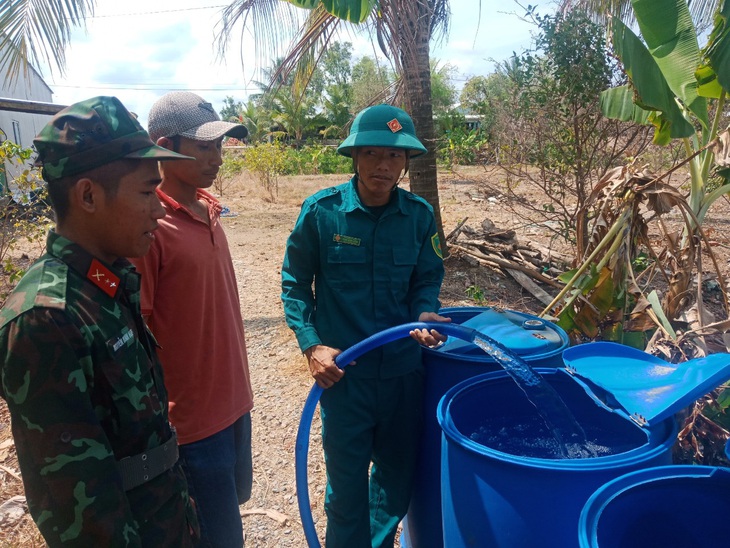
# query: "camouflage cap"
92, 133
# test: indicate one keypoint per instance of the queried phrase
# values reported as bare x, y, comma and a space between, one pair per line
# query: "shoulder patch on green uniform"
347, 240
436, 243
43, 285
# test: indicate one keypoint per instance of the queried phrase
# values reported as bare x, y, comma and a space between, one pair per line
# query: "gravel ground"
257, 230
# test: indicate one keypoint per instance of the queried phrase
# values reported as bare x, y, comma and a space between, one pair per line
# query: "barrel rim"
565, 339
602, 497
634, 456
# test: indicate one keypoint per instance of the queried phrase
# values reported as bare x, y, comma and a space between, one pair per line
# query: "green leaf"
717, 50
671, 37
663, 129
707, 83
603, 296
354, 11
37, 33
649, 82
723, 399
618, 103
565, 277
656, 306
635, 339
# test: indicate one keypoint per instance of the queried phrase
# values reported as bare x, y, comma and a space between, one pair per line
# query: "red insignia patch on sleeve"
103, 278
394, 125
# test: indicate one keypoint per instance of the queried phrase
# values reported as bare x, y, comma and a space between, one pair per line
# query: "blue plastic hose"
305, 424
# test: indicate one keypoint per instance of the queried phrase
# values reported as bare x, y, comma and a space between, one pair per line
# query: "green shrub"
25, 216
464, 147
233, 164
266, 162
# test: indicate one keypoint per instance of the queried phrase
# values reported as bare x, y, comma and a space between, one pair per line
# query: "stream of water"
569, 436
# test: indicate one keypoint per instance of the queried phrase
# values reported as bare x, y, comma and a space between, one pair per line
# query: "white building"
21, 127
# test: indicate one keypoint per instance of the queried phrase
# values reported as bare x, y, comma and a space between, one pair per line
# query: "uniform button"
65, 437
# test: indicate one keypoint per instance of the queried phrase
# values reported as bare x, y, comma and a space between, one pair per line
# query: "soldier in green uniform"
78, 365
363, 257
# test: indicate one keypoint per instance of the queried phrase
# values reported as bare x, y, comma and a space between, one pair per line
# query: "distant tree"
555, 123
337, 111
257, 120
337, 65
336, 101
371, 82
231, 109
443, 92
297, 116
489, 97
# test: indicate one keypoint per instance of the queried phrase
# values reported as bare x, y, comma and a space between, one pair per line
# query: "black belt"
139, 469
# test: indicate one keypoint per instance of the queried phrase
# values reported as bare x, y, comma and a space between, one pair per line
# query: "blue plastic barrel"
685, 506
494, 498
537, 341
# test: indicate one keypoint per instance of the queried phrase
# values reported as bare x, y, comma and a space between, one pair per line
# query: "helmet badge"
394, 125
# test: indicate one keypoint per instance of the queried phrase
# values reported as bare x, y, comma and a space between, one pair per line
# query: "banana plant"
670, 83
681, 90
673, 85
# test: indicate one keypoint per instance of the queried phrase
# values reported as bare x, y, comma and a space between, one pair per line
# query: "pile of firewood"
528, 263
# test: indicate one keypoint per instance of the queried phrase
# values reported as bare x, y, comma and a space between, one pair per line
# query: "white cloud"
170, 44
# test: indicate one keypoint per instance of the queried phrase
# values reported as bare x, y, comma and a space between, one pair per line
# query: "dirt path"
257, 235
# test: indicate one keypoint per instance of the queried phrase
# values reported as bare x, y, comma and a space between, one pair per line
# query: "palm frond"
38, 31
267, 25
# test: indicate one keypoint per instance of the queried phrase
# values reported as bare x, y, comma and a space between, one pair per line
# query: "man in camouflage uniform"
79, 369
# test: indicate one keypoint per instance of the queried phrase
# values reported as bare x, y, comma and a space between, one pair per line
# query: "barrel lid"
523, 334
648, 388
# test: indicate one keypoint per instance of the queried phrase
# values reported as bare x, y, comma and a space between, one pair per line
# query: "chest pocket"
127, 370
346, 265
405, 256
399, 275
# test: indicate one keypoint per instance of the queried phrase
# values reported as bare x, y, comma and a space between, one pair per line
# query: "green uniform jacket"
370, 273
85, 389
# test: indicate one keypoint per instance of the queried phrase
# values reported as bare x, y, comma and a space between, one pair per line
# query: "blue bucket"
685, 506
538, 342
493, 498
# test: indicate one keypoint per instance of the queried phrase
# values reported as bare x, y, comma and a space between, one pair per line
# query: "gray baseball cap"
186, 114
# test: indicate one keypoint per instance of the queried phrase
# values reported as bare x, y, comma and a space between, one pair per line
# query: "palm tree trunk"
416, 75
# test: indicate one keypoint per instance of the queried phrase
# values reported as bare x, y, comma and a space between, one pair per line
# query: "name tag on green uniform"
126, 336
347, 240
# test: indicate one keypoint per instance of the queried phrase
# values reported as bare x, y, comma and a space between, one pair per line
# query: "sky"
138, 50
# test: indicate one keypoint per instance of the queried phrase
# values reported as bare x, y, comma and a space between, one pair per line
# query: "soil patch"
257, 229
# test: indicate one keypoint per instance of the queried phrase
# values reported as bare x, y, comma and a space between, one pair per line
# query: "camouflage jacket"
84, 387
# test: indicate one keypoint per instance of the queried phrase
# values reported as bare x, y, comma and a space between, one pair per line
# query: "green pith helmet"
382, 126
